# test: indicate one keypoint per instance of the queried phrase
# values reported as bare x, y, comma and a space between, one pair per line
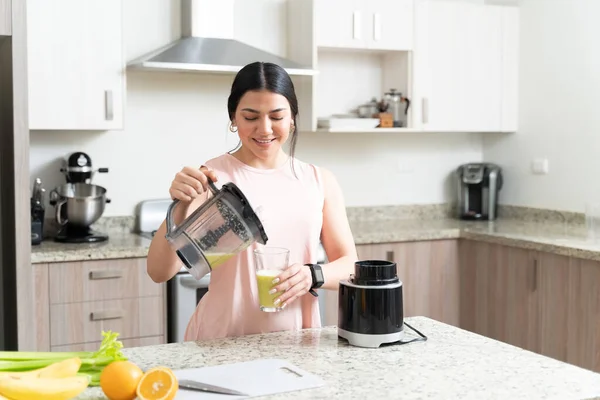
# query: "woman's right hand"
190, 183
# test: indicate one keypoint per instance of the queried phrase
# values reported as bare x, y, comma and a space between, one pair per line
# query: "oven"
184, 293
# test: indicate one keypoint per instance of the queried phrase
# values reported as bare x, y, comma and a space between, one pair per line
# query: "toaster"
370, 305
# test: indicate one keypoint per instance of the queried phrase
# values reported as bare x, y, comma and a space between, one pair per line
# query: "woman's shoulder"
319, 172
224, 164
217, 162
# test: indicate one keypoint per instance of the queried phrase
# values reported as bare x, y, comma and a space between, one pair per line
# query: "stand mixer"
78, 203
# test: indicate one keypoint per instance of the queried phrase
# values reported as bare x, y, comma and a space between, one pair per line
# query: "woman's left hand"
294, 282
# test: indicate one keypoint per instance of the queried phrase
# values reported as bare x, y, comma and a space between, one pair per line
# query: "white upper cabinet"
364, 24
5, 17
76, 64
391, 24
465, 67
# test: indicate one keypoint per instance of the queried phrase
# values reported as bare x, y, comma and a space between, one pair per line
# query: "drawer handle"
389, 256
101, 315
105, 274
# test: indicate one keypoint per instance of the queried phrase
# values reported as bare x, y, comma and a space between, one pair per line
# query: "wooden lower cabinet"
76, 301
429, 273
542, 302
497, 298
535, 300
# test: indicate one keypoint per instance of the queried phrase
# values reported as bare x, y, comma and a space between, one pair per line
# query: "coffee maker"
78, 203
478, 187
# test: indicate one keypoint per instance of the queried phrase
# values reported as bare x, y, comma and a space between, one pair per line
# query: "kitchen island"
451, 364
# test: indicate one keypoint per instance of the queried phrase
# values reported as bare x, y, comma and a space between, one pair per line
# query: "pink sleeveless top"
292, 215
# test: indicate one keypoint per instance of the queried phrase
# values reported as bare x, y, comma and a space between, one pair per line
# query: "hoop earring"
232, 128
292, 129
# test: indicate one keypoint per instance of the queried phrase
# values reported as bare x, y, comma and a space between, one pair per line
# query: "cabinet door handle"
377, 26
109, 314
108, 105
534, 275
110, 274
425, 110
356, 25
389, 256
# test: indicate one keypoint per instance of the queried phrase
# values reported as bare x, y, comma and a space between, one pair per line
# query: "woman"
300, 204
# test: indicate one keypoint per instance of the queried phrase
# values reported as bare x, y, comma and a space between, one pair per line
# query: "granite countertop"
452, 364
119, 245
564, 239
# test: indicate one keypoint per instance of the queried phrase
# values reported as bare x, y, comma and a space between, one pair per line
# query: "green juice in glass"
264, 281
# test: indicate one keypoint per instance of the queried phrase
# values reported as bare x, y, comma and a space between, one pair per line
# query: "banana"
29, 388
60, 369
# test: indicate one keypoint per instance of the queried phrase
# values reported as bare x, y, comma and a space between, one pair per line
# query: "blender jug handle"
169, 221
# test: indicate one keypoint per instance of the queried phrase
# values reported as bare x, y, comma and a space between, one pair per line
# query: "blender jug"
221, 227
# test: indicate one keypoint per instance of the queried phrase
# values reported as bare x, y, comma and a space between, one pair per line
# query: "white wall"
174, 120
559, 108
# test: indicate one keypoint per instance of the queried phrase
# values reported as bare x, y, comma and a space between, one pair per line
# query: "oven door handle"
190, 282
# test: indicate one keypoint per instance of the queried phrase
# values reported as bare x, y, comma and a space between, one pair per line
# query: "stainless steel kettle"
393, 101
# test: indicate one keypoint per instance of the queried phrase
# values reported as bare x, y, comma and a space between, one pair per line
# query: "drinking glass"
592, 221
269, 262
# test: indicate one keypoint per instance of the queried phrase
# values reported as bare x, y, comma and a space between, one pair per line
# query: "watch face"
319, 274
319, 279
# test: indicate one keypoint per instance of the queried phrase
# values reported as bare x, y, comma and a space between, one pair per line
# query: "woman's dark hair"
265, 76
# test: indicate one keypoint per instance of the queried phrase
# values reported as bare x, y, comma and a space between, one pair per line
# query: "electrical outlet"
540, 166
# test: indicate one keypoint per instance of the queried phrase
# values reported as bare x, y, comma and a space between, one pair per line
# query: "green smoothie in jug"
216, 259
264, 281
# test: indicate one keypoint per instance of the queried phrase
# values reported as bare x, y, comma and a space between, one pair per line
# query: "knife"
205, 387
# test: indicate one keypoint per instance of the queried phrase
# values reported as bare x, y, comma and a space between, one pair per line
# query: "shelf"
392, 130
372, 130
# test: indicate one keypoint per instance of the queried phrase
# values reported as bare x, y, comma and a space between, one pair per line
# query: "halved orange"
158, 383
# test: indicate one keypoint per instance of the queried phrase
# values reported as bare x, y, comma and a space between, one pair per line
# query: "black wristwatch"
317, 278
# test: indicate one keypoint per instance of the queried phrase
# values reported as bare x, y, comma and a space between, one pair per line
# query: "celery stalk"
92, 362
9, 356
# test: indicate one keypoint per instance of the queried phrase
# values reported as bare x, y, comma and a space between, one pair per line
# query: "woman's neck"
250, 159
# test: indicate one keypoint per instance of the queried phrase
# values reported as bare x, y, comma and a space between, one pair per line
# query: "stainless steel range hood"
208, 44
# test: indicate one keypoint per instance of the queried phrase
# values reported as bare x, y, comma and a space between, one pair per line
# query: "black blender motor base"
70, 234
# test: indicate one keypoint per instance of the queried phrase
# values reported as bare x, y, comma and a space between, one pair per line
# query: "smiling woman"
262, 108
300, 205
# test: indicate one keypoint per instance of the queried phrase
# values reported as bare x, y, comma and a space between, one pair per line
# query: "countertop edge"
88, 254
566, 247
531, 244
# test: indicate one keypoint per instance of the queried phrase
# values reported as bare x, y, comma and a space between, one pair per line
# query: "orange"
119, 380
158, 383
